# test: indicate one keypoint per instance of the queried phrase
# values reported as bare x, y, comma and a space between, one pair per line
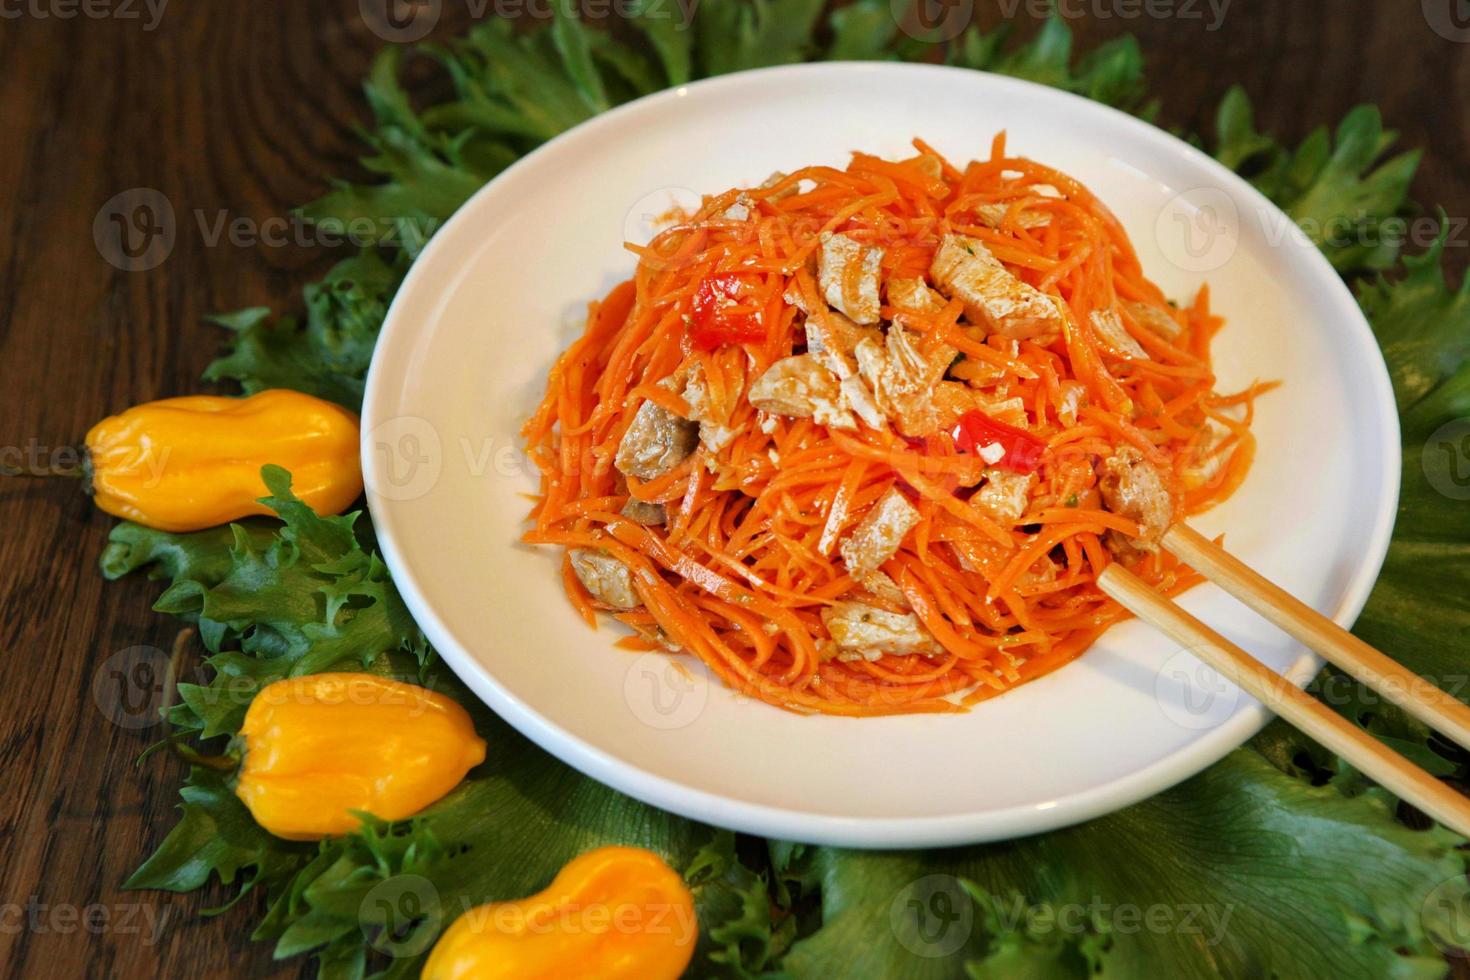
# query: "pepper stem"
224, 762
79, 468
72, 472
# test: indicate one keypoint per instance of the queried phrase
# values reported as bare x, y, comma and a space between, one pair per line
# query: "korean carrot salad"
862, 440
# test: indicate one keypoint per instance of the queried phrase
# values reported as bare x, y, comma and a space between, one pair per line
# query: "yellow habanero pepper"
319, 746
184, 464
616, 913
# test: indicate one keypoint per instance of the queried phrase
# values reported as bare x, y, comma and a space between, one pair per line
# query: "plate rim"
628, 777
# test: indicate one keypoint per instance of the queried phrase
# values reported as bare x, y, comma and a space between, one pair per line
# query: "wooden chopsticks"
1401, 686
1393, 680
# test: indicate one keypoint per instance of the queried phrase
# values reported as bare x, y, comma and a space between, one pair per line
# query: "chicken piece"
963, 267
1043, 571
1132, 486
1004, 495
606, 578
1210, 461
1074, 481
878, 534
830, 336
1153, 318
882, 587
902, 375
930, 164
847, 273
776, 177
740, 210
857, 397
953, 399
914, 294
800, 387
714, 437
656, 442
642, 512
1040, 190
714, 434
1074, 396
993, 215
1118, 342
864, 632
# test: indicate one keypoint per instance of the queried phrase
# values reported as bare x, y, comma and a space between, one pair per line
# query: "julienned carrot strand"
742, 564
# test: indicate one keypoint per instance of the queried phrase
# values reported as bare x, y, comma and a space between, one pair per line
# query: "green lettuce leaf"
863, 31
504, 833
1319, 876
296, 599
1423, 327
1111, 74
216, 836
304, 597
735, 35
1419, 612
1335, 187
326, 356
1241, 871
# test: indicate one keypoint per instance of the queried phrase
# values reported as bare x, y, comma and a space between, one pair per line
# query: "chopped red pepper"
1023, 451
716, 319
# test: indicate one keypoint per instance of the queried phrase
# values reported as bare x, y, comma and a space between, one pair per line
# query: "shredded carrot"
743, 562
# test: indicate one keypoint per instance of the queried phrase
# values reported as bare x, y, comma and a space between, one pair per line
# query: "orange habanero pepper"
616, 913
320, 746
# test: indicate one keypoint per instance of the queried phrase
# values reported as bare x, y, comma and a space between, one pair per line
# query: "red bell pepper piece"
977, 430
716, 320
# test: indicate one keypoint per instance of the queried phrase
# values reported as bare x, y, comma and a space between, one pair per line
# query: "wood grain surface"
243, 110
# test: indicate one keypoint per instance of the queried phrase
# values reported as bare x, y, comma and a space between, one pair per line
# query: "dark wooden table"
243, 110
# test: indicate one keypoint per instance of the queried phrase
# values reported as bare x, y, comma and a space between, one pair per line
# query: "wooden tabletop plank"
243, 110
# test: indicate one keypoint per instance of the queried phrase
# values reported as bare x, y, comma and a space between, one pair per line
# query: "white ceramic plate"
502, 289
